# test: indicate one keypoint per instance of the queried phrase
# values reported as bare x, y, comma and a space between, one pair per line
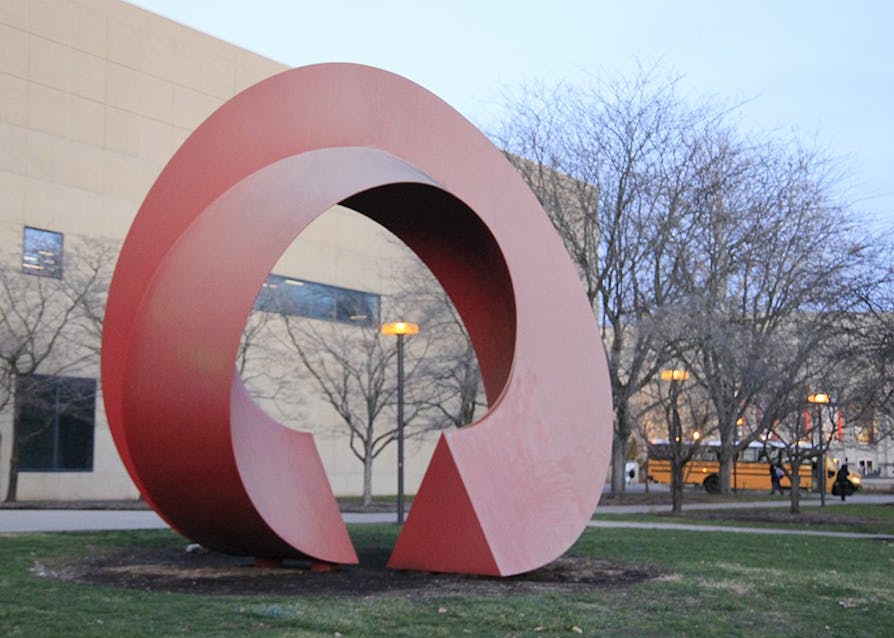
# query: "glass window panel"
375, 313
55, 423
321, 300
300, 298
35, 428
36, 443
75, 409
351, 307
42, 253
266, 299
297, 297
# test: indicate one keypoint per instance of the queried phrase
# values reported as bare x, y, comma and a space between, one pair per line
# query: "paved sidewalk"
22, 520
736, 529
808, 502
50, 520
811, 502
71, 520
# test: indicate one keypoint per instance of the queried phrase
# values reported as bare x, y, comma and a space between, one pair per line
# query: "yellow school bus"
750, 472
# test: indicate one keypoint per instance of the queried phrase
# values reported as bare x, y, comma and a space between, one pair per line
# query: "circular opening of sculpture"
312, 355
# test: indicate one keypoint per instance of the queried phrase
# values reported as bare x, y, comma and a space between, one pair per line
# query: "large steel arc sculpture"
504, 496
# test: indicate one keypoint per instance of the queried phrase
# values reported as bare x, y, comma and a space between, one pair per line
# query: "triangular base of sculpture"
442, 532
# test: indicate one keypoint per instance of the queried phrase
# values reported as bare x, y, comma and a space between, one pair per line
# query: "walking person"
842, 483
775, 475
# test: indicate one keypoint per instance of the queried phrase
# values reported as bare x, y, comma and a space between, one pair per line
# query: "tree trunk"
795, 496
12, 486
645, 469
620, 435
728, 455
367, 478
677, 486
726, 471
619, 453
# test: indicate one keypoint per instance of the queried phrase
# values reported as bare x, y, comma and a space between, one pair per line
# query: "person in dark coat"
842, 482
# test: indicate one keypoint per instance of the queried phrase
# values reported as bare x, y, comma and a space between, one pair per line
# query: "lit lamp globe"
400, 328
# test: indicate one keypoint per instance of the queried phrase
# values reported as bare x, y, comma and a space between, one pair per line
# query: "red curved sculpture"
504, 496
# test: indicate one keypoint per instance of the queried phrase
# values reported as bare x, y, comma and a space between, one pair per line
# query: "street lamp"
820, 399
400, 329
675, 376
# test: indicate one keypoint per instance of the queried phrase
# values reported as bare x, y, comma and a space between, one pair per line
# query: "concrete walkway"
72, 520
22, 520
807, 502
811, 503
736, 529
49, 520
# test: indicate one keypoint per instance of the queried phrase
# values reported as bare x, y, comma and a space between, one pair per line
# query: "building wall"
874, 459
95, 97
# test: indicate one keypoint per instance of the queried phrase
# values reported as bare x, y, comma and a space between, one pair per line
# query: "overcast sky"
820, 69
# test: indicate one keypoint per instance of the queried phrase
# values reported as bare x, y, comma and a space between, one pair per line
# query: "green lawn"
707, 584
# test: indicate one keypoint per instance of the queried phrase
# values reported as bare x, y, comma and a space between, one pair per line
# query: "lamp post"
400, 329
675, 376
820, 399
740, 423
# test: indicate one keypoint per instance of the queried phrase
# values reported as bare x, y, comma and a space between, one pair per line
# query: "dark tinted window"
54, 423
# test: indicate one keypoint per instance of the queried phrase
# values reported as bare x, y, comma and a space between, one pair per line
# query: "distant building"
95, 98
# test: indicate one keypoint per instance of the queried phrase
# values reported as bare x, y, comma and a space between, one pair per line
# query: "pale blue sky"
821, 69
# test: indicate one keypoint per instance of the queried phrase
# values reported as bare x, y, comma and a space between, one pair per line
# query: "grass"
710, 584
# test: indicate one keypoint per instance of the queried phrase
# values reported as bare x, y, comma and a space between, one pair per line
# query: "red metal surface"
507, 495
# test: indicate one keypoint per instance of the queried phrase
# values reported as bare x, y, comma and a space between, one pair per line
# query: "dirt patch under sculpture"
176, 570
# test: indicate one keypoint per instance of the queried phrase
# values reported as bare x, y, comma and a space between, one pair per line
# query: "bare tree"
770, 276
350, 367
866, 378
676, 408
456, 383
800, 358
89, 266
50, 326
353, 368
450, 391
269, 377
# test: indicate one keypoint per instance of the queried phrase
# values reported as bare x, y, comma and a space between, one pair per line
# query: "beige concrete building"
95, 97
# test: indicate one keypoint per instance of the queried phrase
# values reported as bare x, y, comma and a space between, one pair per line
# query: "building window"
42, 253
54, 423
865, 430
300, 298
